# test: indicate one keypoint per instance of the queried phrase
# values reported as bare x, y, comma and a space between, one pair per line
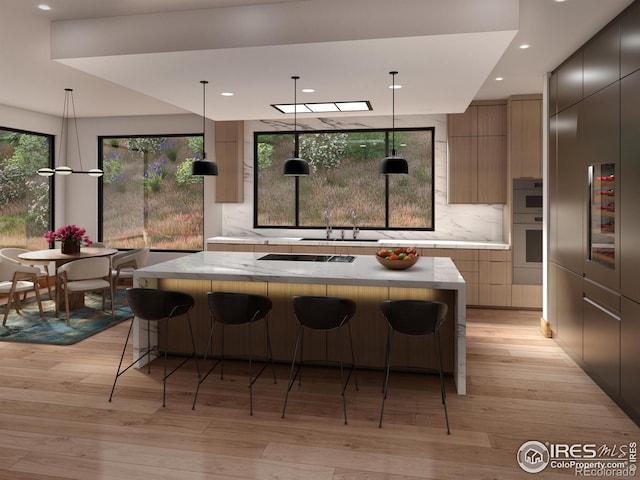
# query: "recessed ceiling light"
559, 1
524, 46
499, 79
308, 90
227, 94
43, 6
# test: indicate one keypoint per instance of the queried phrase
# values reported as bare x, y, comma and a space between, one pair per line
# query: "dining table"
56, 256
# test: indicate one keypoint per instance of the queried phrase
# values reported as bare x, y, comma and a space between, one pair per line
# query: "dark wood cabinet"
630, 358
569, 311
629, 46
601, 60
601, 337
629, 186
571, 191
570, 82
552, 183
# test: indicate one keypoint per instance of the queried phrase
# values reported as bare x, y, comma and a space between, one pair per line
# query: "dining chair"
15, 279
323, 314
10, 254
124, 263
414, 317
85, 275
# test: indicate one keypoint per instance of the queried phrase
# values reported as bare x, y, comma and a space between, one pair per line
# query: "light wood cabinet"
477, 154
229, 144
524, 133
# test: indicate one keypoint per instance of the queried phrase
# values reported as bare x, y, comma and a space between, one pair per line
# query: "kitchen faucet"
353, 222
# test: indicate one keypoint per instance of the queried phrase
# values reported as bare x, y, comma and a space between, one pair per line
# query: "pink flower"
69, 234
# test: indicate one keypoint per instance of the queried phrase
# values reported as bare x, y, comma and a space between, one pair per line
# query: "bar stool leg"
292, 376
385, 382
444, 402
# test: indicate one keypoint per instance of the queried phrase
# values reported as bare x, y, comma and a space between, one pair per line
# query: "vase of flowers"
71, 238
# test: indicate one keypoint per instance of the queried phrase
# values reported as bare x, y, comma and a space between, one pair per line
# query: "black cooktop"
305, 257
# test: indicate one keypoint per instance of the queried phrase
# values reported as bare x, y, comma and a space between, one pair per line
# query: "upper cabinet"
230, 160
629, 45
477, 154
569, 82
601, 60
524, 133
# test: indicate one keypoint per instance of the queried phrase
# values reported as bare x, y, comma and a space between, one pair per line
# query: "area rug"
30, 327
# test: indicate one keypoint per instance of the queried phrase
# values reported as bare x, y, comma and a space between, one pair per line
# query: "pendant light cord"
204, 103
295, 117
393, 113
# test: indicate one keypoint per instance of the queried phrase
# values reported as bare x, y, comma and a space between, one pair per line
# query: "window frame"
388, 148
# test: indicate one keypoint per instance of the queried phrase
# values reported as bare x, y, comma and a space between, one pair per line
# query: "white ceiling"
133, 57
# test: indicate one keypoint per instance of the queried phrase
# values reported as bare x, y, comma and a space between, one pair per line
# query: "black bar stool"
153, 305
414, 317
322, 313
229, 308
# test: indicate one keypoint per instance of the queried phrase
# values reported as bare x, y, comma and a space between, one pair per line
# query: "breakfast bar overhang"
362, 279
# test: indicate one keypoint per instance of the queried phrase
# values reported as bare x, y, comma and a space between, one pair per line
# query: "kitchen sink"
339, 239
305, 257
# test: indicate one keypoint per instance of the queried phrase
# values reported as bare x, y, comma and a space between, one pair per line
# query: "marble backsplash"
452, 222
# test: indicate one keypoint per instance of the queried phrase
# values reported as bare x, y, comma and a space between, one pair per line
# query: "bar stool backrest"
323, 313
231, 308
151, 304
414, 317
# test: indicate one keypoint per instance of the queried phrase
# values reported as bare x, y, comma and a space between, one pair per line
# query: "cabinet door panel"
602, 346
629, 32
463, 169
570, 82
492, 165
525, 138
602, 59
570, 312
629, 179
572, 183
630, 357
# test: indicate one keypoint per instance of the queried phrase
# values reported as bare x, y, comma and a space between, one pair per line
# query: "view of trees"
149, 196
344, 177
24, 195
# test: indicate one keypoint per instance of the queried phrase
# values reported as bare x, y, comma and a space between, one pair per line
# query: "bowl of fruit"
399, 258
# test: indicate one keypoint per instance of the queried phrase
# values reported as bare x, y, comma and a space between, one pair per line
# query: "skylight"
324, 107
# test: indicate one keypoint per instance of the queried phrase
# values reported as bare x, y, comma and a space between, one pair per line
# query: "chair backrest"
8, 269
10, 254
323, 313
414, 317
86, 268
231, 308
155, 304
139, 256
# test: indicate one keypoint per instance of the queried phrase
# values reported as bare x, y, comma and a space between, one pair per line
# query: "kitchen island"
363, 279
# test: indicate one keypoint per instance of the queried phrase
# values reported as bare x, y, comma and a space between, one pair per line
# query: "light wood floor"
56, 422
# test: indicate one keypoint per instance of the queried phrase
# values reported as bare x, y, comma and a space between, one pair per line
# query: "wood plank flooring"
56, 422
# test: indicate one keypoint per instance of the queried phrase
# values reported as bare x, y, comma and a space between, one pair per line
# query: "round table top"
55, 254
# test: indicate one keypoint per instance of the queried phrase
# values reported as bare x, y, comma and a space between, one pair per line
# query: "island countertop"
428, 272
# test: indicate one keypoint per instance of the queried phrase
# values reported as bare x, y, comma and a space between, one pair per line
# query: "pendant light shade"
393, 165
204, 167
295, 167
69, 106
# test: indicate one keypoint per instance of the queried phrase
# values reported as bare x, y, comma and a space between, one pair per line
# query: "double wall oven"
527, 231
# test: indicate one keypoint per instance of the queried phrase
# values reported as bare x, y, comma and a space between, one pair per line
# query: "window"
148, 195
344, 178
25, 197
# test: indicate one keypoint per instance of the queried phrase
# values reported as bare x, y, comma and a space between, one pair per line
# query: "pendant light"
295, 167
64, 138
393, 165
204, 166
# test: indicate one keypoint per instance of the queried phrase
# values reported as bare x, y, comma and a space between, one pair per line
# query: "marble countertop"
461, 244
428, 272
